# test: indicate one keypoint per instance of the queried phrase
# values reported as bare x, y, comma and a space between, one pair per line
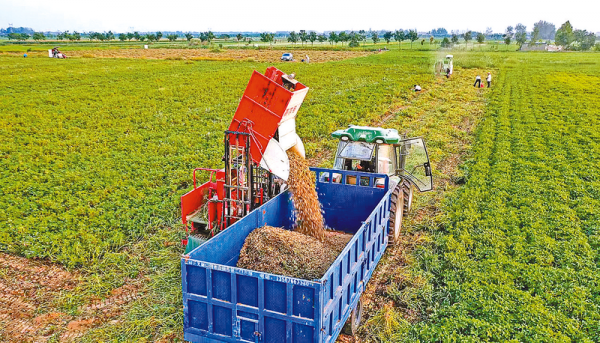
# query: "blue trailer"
223, 303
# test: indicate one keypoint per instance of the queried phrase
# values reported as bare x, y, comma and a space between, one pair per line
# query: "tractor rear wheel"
396, 211
351, 326
408, 195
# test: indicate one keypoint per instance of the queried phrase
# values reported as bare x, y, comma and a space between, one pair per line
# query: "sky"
318, 15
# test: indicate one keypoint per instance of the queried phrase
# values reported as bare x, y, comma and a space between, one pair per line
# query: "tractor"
383, 151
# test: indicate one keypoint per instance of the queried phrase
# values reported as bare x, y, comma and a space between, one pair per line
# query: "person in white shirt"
477, 82
489, 80
417, 88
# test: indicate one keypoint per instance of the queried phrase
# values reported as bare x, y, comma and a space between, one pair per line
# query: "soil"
30, 291
289, 253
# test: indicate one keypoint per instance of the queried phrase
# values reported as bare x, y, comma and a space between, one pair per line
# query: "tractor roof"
368, 134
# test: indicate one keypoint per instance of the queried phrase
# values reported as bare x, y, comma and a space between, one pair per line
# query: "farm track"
30, 291
452, 108
446, 114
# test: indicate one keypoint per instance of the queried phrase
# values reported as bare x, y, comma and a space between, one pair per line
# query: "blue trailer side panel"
223, 303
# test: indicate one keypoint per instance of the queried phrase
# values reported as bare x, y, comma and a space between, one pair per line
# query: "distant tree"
303, 36
467, 36
172, 37
159, 35
535, 35
130, 36
508, 35
122, 37
76, 35
312, 37
454, 38
343, 37
224, 36
399, 36
188, 36
142, 38
354, 39
137, 35
480, 38
375, 37
412, 36
564, 35
388, 35
38, 36
18, 36
151, 37
110, 36
445, 42
210, 36
293, 37
362, 34
333, 37
547, 30
265, 37
322, 38
520, 34
439, 32
238, 37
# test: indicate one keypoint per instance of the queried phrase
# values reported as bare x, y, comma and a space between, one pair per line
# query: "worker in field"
417, 88
477, 82
307, 59
489, 80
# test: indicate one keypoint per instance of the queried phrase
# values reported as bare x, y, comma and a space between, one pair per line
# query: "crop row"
518, 257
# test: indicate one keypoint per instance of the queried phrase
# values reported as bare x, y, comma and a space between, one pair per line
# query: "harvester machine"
444, 66
256, 167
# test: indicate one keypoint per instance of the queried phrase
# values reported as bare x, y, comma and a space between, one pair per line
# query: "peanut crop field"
95, 154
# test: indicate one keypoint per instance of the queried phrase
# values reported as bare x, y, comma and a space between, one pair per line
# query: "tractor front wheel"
396, 211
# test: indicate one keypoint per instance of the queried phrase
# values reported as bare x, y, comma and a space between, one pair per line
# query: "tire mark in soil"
29, 296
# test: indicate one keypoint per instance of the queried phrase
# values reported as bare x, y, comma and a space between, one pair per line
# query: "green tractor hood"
368, 134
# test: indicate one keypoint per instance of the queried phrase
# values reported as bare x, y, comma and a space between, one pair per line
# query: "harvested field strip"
30, 297
263, 55
518, 255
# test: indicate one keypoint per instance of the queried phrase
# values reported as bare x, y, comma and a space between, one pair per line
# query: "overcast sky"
281, 15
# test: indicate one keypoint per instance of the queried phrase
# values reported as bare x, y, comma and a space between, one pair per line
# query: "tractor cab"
383, 151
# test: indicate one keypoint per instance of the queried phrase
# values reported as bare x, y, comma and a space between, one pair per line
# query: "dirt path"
31, 293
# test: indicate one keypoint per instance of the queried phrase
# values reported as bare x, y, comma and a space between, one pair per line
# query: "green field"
96, 153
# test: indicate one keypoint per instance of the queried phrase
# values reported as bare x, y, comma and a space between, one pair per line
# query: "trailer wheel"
396, 211
351, 326
408, 195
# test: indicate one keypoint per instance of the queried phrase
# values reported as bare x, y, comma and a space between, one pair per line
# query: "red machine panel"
264, 105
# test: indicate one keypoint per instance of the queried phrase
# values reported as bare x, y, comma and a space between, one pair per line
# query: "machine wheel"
408, 195
351, 326
396, 211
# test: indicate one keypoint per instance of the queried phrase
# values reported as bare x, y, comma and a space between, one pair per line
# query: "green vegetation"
95, 153
517, 254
